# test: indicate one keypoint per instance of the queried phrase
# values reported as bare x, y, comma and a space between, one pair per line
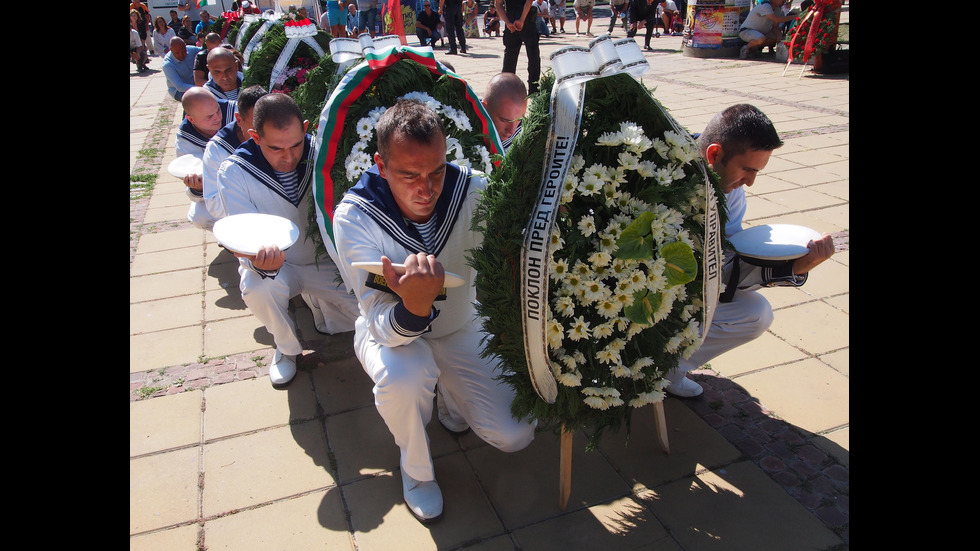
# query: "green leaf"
682, 267
643, 307
636, 241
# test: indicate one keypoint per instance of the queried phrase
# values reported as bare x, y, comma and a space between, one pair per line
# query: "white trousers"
735, 323
405, 378
268, 300
198, 214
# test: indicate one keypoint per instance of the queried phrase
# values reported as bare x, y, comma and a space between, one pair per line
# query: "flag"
202, 3
391, 17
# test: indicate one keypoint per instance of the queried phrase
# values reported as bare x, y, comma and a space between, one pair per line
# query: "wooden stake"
660, 425
565, 468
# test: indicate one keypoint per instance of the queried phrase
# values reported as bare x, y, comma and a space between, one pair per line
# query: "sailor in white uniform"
413, 334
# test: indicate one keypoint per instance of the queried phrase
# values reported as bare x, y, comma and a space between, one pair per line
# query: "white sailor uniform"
219, 148
246, 184
406, 355
743, 315
191, 142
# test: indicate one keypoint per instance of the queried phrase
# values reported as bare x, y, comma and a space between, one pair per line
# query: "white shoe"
456, 426
686, 388
283, 368
424, 499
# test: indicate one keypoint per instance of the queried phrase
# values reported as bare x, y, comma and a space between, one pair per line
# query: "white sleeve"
232, 182
358, 239
214, 154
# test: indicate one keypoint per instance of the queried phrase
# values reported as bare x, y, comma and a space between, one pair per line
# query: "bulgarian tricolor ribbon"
379, 54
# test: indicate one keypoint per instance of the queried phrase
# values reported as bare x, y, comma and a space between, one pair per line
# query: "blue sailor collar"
227, 137
372, 195
210, 84
186, 130
249, 157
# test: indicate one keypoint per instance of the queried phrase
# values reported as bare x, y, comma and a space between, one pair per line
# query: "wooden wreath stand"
565, 461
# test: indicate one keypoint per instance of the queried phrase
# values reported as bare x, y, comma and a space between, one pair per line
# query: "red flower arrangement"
814, 30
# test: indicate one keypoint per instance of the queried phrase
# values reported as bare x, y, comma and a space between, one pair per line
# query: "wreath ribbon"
287, 53
256, 39
378, 56
573, 67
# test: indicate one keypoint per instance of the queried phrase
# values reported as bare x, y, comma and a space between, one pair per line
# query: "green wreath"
265, 56
405, 76
603, 374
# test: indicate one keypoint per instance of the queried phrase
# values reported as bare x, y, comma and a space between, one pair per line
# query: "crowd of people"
420, 346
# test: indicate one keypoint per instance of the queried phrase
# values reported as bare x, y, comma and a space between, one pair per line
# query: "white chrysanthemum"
356, 164
620, 371
586, 225
556, 333
579, 357
578, 162
580, 330
590, 184
375, 114
610, 139
634, 139
600, 258
571, 379
663, 176
556, 240
565, 307
599, 171
641, 363
614, 402
627, 160
608, 308
674, 139
611, 193
617, 344
593, 291
607, 356
645, 398
565, 359
582, 269
365, 128
485, 159
558, 269
607, 242
596, 402
623, 298
661, 148
646, 169
603, 330
572, 284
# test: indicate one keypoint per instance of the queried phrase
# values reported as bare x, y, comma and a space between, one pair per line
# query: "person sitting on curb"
737, 144
427, 25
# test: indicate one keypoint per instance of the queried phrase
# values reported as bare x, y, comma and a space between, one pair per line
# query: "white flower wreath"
604, 287
359, 160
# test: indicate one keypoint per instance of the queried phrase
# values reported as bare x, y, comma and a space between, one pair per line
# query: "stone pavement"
221, 460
